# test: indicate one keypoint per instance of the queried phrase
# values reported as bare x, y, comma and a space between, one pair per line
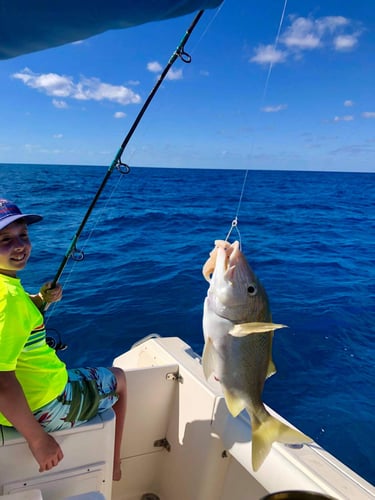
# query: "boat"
180, 442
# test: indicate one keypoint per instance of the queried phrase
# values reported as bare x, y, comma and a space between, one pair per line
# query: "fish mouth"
224, 257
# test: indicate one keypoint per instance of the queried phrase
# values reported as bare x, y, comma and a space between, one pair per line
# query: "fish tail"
266, 432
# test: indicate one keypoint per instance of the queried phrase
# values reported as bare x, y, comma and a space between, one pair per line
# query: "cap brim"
28, 218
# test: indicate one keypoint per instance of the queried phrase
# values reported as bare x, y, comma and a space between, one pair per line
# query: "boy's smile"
15, 248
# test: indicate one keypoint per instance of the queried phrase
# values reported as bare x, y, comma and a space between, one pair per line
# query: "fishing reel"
55, 341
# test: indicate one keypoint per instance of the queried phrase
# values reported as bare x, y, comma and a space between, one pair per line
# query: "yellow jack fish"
238, 332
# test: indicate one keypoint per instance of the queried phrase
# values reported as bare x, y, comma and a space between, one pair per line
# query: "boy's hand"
46, 451
49, 294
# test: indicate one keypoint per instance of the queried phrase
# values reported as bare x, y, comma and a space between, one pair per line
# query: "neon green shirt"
23, 347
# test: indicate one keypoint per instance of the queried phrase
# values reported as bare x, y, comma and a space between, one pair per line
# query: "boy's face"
15, 248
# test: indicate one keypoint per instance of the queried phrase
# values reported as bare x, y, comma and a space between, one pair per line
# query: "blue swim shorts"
89, 391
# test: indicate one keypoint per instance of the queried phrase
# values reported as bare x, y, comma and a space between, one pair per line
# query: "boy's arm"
14, 407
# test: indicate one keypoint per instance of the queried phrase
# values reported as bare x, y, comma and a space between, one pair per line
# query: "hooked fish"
238, 333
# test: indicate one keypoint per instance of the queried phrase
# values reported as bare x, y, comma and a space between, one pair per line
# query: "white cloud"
346, 118
86, 89
50, 83
268, 54
274, 109
345, 42
348, 103
307, 34
59, 103
32, 147
57, 136
154, 67
301, 34
94, 89
330, 23
172, 74
368, 114
119, 114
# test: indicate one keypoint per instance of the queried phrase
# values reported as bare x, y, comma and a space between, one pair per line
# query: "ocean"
309, 236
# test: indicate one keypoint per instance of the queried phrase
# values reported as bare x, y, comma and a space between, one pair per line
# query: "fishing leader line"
234, 224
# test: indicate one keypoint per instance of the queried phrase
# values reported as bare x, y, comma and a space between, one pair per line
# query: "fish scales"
238, 332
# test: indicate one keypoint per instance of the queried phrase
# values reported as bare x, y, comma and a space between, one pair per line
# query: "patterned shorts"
89, 391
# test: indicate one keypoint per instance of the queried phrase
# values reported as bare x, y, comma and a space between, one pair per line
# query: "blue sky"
249, 99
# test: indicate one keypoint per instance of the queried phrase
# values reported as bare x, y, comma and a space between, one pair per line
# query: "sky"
276, 84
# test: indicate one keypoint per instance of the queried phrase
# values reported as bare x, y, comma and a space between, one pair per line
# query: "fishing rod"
117, 163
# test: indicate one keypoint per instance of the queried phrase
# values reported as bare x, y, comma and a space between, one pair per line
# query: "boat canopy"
28, 26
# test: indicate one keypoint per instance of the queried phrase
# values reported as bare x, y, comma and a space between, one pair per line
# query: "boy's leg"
74, 407
120, 409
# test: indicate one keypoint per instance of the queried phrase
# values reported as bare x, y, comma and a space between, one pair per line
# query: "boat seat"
86, 467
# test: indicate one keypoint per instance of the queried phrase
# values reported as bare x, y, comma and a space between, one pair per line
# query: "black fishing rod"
117, 163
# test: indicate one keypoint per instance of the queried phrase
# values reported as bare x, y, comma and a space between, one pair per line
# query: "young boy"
38, 394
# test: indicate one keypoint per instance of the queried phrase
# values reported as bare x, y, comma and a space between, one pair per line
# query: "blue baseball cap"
9, 212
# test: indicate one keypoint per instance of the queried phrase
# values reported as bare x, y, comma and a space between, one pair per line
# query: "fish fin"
268, 431
234, 404
271, 370
208, 358
243, 329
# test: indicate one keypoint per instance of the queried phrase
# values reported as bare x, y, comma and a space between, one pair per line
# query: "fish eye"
252, 289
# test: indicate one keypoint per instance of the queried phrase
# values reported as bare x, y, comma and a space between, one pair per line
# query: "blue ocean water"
308, 235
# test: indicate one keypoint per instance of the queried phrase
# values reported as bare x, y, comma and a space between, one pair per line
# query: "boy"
38, 394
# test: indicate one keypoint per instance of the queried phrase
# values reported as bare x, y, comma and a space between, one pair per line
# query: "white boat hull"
180, 442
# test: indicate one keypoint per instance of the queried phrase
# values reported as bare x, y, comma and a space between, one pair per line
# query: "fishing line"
117, 162
99, 217
120, 166
79, 256
274, 48
204, 33
207, 28
234, 224
235, 220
